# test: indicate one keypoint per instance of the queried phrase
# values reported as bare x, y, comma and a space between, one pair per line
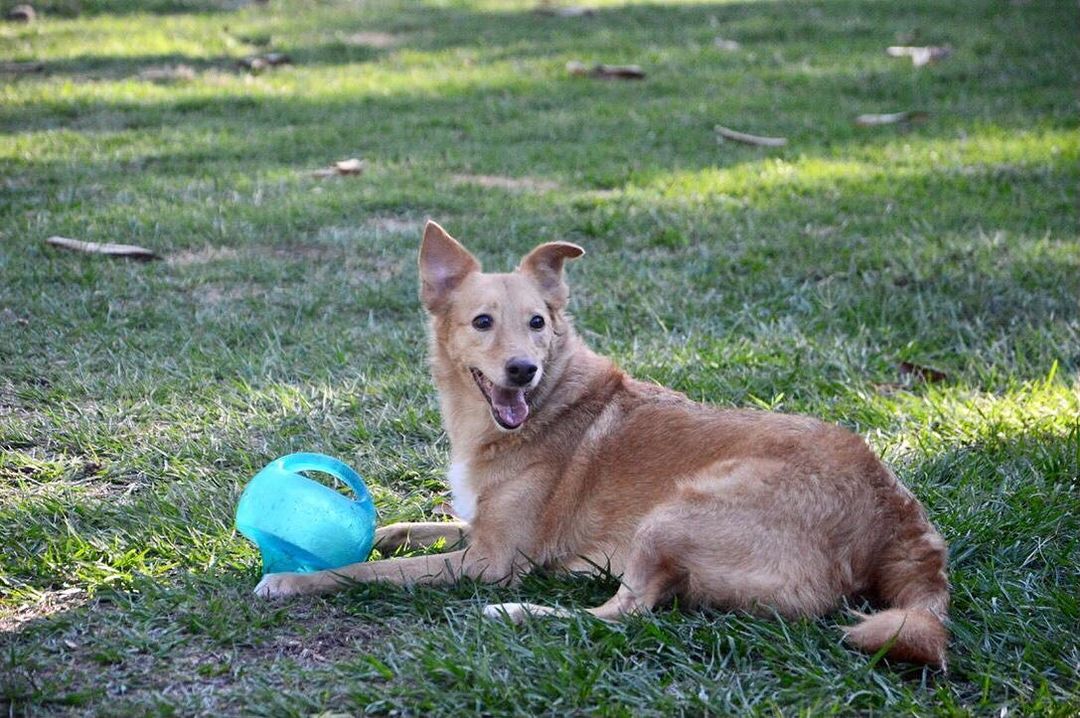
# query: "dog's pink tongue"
510, 406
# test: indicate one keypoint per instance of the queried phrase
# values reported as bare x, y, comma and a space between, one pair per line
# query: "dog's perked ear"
443, 264
545, 265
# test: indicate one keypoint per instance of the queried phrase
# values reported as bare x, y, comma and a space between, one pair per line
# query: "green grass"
136, 399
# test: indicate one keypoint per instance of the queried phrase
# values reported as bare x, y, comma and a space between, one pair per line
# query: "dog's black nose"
520, 371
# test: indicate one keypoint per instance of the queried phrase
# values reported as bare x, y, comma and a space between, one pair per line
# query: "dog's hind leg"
709, 552
650, 577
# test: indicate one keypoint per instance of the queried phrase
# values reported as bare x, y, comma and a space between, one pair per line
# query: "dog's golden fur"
582, 467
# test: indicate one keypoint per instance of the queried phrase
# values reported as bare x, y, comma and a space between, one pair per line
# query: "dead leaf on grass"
892, 118
759, 140
351, 166
920, 55
916, 374
6, 315
127, 251
258, 63
605, 72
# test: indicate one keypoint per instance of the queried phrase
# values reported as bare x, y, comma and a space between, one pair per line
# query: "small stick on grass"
606, 72
730, 134
352, 166
920, 55
891, 118
128, 251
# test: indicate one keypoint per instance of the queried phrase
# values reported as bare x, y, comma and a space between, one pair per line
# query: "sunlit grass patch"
987, 150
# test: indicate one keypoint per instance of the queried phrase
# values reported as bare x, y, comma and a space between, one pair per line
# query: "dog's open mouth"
509, 407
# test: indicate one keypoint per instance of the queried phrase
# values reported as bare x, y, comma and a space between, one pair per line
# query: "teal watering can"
301, 525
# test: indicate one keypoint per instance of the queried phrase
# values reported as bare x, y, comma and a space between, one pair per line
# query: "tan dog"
561, 460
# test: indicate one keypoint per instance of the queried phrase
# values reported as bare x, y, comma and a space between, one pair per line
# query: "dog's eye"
537, 322
482, 322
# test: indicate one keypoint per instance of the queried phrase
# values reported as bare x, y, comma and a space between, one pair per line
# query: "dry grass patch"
48, 603
375, 40
513, 184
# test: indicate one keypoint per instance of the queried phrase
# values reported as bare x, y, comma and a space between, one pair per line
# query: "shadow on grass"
78, 8
87, 68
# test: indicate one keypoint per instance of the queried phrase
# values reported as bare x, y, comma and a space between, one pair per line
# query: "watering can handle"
326, 464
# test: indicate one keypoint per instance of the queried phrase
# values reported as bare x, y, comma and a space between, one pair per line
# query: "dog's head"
497, 329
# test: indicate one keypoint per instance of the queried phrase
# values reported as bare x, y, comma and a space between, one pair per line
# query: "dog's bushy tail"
911, 579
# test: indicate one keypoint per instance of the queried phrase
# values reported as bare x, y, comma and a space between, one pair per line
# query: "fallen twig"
748, 139
920, 55
350, 166
606, 72
128, 251
891, 118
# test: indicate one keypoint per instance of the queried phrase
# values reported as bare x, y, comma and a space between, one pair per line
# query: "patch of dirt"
327, 641
516, 184
201, 256
168, 73
48, 604
395, 225
602, 195
345, 244
103, 655
303, 251
208, 255
212, 295
347, 251
376, 40
382, 269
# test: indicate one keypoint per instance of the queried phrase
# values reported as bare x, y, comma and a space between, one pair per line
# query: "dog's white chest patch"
464, 498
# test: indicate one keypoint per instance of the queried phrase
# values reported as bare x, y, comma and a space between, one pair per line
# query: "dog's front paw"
281, 585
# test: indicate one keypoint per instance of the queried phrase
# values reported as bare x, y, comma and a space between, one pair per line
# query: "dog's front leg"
435, 569
420, 535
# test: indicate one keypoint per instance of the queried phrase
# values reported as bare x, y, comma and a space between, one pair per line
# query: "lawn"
137, 398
